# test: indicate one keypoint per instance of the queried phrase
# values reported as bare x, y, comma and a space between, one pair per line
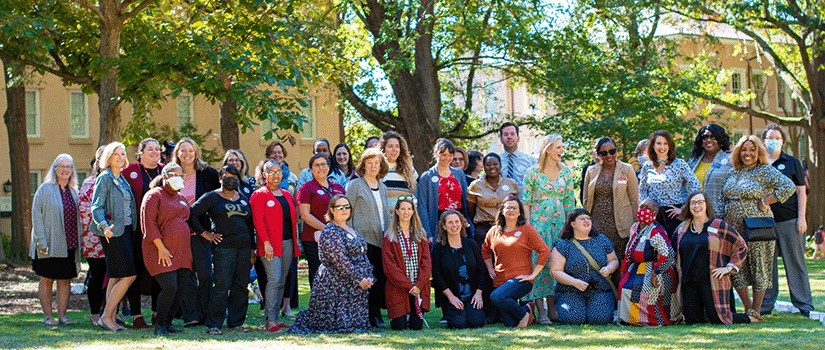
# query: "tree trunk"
15, 119
419, 124
230, 138
109, 89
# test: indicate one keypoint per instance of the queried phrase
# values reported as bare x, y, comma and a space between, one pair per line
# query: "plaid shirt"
410, 251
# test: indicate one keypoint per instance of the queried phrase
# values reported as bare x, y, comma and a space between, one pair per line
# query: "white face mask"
175, 182
773, 145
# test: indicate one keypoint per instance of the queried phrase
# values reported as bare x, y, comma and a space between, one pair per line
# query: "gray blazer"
715, 178
108, 200
364, 217
48, 230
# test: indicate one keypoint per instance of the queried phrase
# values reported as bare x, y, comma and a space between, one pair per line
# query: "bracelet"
763, 202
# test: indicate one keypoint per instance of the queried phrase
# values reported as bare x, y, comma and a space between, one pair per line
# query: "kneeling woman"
407, 264
708, 250
338, 303
584, 294
513, 243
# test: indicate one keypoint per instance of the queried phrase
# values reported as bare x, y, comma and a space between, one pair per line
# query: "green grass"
782, 330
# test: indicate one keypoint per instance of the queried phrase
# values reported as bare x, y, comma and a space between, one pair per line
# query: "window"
33, 113
308, 129
34, 180
759, 88
736, 82
266, 126
782, 95
491, 105
185, 113
79, 114
737, 134
82, 175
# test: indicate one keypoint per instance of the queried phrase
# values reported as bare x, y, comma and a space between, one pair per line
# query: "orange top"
514, 251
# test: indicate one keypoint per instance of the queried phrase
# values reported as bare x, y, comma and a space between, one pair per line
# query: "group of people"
498, 237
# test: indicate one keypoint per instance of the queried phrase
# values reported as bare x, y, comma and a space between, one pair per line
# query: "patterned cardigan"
725, 246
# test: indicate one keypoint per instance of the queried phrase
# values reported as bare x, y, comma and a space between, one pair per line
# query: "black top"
206, 180
148, 175
693, 248
232, 219
792, 168
450, 264
247, 186
287, 217
581, 182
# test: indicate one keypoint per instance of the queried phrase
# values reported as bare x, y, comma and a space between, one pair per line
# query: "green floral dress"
549, 201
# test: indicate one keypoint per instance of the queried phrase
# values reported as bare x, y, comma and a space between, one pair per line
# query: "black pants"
414, 323
230, 298
470, 317
377, 297
172, 285
698, 300
291, 284
196, 297
143, 280
311, 254
490, 310
668, 223
95, 291
261, 272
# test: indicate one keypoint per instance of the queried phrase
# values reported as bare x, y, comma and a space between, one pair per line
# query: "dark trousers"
311, 254
95, 290
196, 297
414, 322
291, 284
506, 297
229, 299
669, 224
144, 282
470, 317
262, 280
490, 310
377, 296
698, 300
172, 285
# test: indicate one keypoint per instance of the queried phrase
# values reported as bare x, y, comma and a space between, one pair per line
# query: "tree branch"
382, 119
135, 10
795, 121
85, 4
65, 76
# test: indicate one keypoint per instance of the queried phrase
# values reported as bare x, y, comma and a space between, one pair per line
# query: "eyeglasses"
64, 167
274, 172
342, 207
320, 165
611, 151
708, 137
697, 202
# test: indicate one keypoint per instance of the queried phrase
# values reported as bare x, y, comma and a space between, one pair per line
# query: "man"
320, 146
514, 163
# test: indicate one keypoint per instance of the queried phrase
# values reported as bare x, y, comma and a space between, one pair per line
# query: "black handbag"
760, 229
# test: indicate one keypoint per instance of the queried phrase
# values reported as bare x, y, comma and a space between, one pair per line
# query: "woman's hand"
268, 251
654, 280
108, 233
164, 257
456, 302
415, 291
581, 285
477, 301
673, 212
365, 283
523, 278
761, 205
605, 272
212, 237
492, 274
718, 273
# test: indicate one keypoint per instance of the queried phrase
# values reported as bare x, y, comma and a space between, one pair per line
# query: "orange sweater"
514, 251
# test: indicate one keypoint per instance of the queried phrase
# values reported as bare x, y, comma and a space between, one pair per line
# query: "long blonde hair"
417, 232
546, 142
199, 163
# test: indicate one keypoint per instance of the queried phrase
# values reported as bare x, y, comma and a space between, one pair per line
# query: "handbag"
760, 229
595, 266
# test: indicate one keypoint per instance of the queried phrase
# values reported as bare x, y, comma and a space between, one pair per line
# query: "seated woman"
407, 263
338, 303
648, 285
707, 251
458, 273
583, 294
513, 242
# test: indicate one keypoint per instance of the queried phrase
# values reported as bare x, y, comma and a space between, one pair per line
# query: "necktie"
510, 165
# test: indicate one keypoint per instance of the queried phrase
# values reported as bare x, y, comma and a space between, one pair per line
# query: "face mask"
175, 182
230, 183
645, 216
773, 145
642, 159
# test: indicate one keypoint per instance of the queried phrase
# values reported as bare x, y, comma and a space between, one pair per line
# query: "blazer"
625, 194
445, 268
398, 285
427, 194
268, 218
715, 178
364, 216
206, 180
107, 200
47, 224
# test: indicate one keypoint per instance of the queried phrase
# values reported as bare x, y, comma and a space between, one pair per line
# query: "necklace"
693, 228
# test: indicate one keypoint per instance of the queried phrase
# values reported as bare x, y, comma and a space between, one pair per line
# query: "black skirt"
120, 261
56, 268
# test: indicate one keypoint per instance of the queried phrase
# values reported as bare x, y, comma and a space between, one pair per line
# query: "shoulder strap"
594, 265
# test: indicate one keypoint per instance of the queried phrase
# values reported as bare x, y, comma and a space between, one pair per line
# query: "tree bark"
111, 25
15, 120
230, 138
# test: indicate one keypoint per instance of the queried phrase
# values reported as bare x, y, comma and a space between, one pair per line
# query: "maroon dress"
163, 215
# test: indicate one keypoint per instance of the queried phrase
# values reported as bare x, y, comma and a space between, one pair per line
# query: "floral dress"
90, 247
549, 201
743, 189
337, 303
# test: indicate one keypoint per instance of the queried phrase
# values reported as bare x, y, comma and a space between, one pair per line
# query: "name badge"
434, 179
243, 202
725, 161
656, 178
622, 181
781, 167
517, 234
270, 204
712, 229
320, 192
133, 175
184, 203
716, 165
246, 190
350, 235
505, 187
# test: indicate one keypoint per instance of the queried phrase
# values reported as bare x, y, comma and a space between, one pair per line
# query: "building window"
79, 114
33, 113
781, 95
82, 175
759, 89
34, 180
309, 128
185, 110
266, 126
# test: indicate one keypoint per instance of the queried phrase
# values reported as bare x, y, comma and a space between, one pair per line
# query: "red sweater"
398, 285
514, 251
268, 218
163, 215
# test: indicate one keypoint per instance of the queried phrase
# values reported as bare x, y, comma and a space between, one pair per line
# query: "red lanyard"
407, 242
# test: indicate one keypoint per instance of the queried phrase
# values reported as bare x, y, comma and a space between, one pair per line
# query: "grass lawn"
782, 330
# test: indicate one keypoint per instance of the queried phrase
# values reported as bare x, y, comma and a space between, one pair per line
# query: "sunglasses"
708, 137
611, 151
407, 198
342, 207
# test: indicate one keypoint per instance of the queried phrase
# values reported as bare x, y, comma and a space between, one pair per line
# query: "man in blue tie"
514, 163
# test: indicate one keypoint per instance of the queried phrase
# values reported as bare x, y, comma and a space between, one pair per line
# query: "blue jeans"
506, 297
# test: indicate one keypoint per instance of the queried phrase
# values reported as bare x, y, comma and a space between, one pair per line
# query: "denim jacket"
107, 205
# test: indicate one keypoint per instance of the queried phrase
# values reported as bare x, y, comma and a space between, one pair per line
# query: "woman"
790, 227
276, 227
276, 151
371, 218
56, 235
198, 179
139, 174
749, 190
401, 179
708, 250
338, 303
475, 164
313, 200
819, 243
584, 294
234, 249
611, 194
236, 158
513, 242
166, 246
91, 248
666, 179
114, 214
647, 291
442, 188
344, 170
458, 273
710, 161
548, 193
407, 265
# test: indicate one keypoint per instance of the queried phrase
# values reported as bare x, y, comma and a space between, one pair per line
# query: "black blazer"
206, 180
446, 264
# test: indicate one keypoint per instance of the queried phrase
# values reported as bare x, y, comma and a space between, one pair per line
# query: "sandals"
239, 329
544, 321
65, 321
214, 331
755, 314
49, 321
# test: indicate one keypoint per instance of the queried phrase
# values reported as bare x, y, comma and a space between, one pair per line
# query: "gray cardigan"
47, 224
364, 217
107, 200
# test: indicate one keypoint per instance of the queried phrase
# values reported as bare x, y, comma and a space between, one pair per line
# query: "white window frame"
742, 86
736, 134
36, 113
312, 120
39, 174
86, 110
191, 108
